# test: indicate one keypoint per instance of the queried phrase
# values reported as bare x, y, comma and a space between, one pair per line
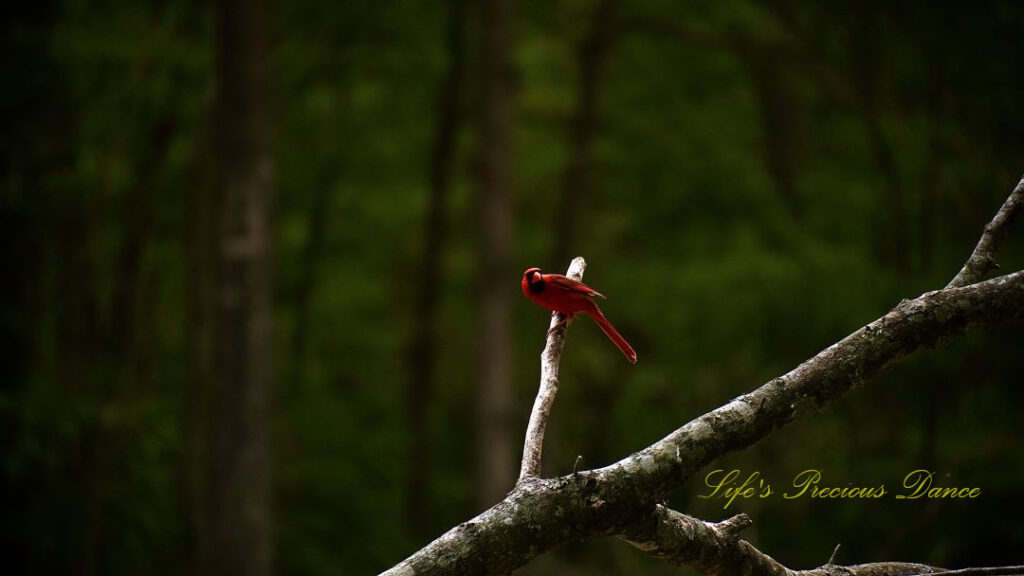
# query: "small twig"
576, 465
832, 558
549, 361
989, 571
983, 259
732, 527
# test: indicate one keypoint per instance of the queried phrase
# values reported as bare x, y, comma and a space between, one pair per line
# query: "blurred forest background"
262, 313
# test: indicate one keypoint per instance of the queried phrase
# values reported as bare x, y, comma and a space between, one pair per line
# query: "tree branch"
715, 549
911, 325
621, 499
550, 359
983, 259
545, 513
990, 571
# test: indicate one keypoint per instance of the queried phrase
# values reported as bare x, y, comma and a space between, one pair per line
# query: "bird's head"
533, 280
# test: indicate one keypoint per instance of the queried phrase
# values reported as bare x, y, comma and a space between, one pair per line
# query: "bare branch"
730, 529
550, 359
983, 259
682, 540
714, 549
992, 571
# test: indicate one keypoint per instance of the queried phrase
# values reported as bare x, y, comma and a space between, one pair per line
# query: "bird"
567, 296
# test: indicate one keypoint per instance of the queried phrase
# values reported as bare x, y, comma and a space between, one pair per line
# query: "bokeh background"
748, 181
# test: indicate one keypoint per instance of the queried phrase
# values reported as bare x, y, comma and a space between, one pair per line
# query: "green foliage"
710, 271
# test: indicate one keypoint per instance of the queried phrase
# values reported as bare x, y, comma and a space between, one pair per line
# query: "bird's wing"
571, 285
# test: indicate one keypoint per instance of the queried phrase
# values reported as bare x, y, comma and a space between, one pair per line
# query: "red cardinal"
567, 296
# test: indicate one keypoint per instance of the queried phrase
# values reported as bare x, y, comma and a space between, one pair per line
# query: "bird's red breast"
567, 296
558, 293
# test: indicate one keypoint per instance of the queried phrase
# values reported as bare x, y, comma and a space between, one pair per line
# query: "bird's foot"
560, 325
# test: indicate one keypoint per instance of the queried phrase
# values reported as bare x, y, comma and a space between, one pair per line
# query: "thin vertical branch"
550, 359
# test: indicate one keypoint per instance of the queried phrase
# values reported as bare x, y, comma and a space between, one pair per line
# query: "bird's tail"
612, 334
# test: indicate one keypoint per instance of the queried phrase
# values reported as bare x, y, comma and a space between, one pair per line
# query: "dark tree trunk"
592, 54
421, 349
238, 501
495, 467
